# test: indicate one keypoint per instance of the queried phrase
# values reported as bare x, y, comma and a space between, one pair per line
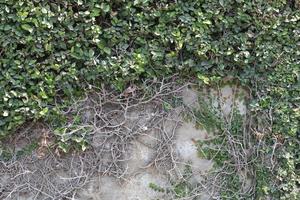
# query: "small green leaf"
91, 53
44, 10
77, 139
83, 146
27, 27
203, 78
95, 12
43, 94
105, 7
63, 146
44, 112
107, 50
207, 22
167, 106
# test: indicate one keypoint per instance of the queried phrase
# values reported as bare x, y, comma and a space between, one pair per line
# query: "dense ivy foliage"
54, 48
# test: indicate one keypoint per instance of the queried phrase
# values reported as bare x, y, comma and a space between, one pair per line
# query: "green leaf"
64, 146
44, 112
27, 27
107, 50
43, 94
105, 7
207, 22
203, 78
83, 146
95, 12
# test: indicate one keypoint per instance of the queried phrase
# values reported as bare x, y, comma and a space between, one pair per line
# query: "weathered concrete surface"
141, 153
135, 188
187, 137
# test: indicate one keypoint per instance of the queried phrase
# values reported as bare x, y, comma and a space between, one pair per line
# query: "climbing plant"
51, 50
